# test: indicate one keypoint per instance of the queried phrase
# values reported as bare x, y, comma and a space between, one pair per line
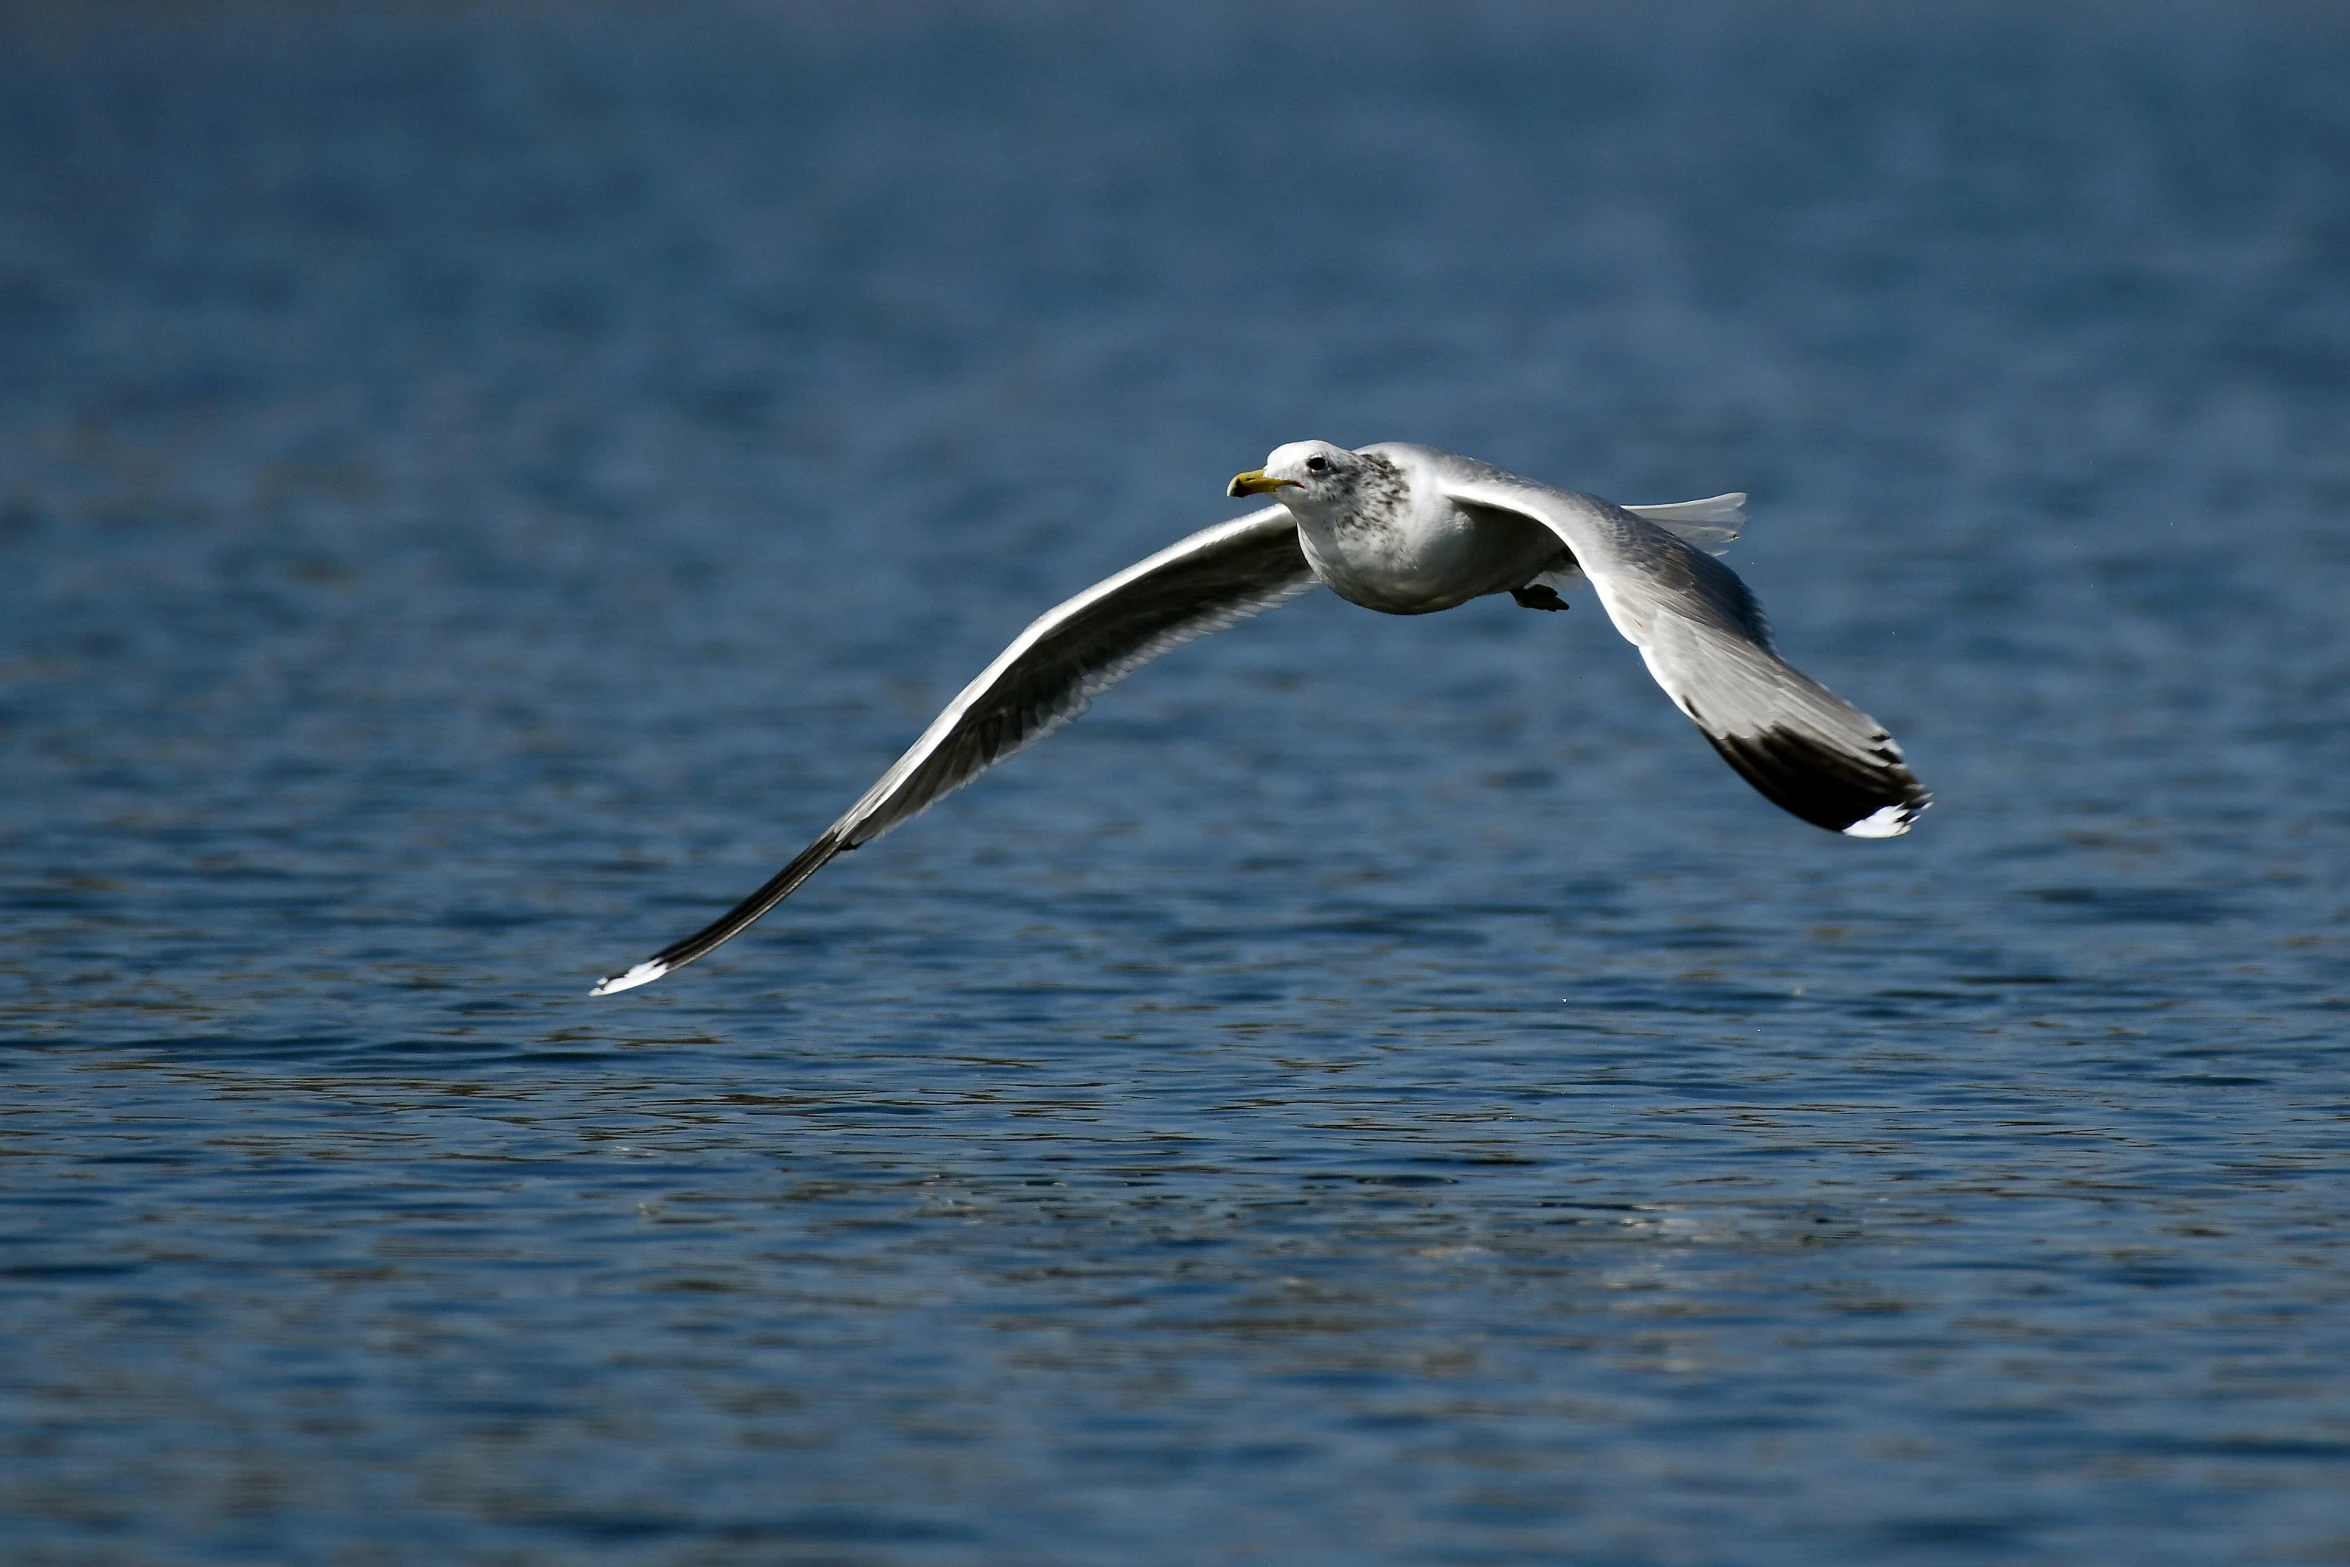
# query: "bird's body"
1405, 530
1398, 543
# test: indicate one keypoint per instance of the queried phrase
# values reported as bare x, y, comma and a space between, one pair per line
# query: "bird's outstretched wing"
1704, 638
1048, 676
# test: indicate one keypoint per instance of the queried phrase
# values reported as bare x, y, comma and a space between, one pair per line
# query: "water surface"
481, 485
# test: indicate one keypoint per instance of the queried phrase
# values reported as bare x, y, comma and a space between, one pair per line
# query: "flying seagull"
1405, 530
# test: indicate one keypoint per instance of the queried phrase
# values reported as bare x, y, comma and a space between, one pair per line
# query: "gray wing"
1704, 638
1049, 675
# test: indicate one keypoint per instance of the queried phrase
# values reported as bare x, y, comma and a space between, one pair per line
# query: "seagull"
1405, 530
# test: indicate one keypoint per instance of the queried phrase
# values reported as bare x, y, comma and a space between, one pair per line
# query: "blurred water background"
482, 484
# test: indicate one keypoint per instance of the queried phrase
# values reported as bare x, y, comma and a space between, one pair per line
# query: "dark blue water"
480, 485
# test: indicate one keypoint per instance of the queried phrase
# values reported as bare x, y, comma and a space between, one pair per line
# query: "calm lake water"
482, 484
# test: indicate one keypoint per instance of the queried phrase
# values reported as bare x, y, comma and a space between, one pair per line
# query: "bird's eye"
1316, 464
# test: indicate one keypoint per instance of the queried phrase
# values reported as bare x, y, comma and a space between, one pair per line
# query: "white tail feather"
1709, 524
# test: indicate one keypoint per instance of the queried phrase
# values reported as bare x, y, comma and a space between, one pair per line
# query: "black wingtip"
1863, 796
730, 924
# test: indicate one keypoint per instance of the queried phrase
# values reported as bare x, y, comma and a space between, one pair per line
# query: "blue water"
482, 484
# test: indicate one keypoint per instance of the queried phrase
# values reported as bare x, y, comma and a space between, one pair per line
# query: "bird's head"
1312, 476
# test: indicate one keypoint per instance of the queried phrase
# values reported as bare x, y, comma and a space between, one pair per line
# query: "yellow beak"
1254, 482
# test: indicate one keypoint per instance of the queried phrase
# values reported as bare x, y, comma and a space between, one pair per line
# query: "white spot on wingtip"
1889, 822
642, 974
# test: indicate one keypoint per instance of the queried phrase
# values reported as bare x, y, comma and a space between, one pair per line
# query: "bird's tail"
1709, 524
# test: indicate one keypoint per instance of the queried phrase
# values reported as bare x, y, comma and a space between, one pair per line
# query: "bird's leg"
1539, 596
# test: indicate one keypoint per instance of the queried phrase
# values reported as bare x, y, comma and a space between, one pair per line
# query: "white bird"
1405, 530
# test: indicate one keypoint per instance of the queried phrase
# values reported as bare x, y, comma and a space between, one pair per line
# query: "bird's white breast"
1422, 555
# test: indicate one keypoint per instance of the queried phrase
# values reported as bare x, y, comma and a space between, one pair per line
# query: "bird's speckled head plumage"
1315, 479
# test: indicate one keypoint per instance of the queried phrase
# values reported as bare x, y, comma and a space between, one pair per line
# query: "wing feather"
1050, 674
1704, 638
